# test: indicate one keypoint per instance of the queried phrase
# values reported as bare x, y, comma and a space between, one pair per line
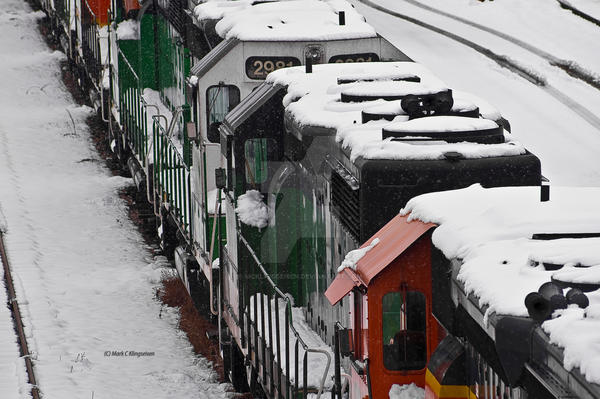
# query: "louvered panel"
174, 12
345, 204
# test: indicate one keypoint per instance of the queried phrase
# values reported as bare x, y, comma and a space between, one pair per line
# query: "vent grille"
345, 204
174, 12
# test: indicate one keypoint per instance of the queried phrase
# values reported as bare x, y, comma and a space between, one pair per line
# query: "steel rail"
504, 61
18, 321
582, 14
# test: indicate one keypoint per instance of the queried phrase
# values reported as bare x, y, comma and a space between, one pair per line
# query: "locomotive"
330, 153
436, 287
269, 152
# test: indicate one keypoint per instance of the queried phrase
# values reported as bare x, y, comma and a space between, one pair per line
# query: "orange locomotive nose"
131, 5
99, 10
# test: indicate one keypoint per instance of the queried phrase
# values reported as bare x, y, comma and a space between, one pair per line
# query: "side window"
220, 100
404, 330
256, 153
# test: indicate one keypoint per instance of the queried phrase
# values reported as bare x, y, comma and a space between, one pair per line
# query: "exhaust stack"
308, 65
545, 190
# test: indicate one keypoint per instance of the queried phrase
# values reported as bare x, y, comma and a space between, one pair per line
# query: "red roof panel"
394, 238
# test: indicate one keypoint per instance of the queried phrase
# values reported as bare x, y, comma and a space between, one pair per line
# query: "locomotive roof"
362, 265
291, 20
489, 233
315, 100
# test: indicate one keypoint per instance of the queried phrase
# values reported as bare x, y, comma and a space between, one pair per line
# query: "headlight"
314, 53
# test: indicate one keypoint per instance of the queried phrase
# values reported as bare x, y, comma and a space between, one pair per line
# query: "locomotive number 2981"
345, 58
260, 67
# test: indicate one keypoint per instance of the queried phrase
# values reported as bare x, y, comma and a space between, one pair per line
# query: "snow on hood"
490, 231
314, 99
285, 20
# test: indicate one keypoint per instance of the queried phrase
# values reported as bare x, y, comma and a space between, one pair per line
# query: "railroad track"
570, 67
568, 6
512, 65
17, 320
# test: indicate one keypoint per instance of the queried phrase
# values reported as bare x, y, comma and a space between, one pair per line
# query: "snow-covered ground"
566, 143
84, 277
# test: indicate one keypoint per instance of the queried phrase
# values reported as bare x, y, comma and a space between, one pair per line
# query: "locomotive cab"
239, 63
392, 329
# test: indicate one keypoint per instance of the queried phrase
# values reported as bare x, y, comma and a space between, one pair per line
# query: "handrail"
158, 114
109, 69
128, 64
262, 269
104, 70
90, 9
132, 106
328, 356
172, 173
91, 47
167, 134
290, 323
90, 35
210, 256
178, 112
154, 119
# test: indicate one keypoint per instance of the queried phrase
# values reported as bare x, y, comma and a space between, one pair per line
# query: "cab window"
404, 332
220, 100
256, 153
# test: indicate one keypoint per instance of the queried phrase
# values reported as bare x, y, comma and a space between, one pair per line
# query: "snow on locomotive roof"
491, 232
394, 107
388, 88
216, 9
285, 20
447, 123
314, 99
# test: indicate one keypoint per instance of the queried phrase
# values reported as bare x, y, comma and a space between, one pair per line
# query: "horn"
577, 297
554, 294
538, 307
541, 304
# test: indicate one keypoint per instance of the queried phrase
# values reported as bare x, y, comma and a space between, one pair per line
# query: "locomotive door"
284, 247
401, 332
404, 333
401, 326
220, 100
